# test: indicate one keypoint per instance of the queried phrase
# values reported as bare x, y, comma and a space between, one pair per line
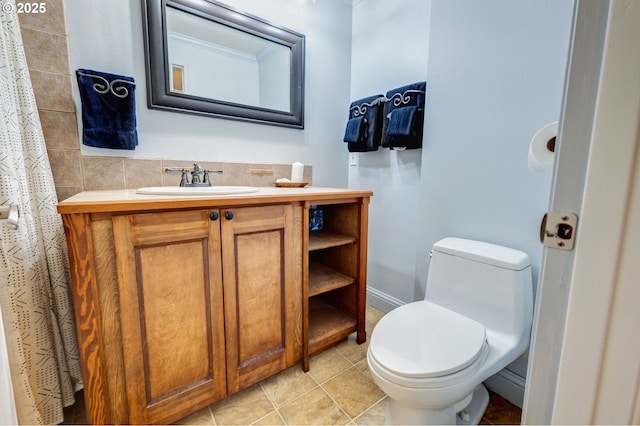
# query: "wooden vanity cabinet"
178, 309
180, 303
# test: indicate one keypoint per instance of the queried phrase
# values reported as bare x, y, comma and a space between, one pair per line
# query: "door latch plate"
558, 230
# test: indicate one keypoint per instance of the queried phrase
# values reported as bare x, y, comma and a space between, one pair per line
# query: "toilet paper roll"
541, 154
297, 172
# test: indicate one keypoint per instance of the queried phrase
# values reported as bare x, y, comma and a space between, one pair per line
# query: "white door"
585, 363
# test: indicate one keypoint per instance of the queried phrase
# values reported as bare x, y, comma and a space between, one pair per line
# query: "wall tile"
140, 173
60, 131
237, 174
281, 171
53, 91
307, 174
103, 172
51, 21
260, 175
66, 167
216, 178
65, 192
173, 179
45, 51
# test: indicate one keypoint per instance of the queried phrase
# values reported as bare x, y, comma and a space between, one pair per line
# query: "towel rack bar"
119, 80
361, 109
106, 86
397, 98
402, 98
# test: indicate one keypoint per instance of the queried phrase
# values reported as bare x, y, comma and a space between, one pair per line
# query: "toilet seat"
402, 345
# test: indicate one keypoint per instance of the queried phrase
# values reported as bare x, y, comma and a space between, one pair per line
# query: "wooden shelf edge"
319, 240
323, 279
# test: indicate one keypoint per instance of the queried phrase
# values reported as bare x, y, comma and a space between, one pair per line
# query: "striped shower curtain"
35, 296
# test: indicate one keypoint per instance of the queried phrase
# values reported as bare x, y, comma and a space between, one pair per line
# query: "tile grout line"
278, 407
370, 407
351, 419
319, 385
273, 404
213, 418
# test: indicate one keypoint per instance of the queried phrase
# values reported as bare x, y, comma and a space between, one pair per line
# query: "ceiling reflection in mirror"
248, 70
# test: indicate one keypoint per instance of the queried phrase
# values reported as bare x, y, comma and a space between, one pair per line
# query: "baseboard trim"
382, 301
508, 385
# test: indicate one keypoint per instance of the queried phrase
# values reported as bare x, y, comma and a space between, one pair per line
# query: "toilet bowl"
430, 357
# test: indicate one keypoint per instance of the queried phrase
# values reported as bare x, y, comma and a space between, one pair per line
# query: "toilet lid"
422, 339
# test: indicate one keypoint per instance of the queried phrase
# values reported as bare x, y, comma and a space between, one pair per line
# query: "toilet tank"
485, 282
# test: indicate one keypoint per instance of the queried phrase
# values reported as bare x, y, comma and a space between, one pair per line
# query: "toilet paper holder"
542, 148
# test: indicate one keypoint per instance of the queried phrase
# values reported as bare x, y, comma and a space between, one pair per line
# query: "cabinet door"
258, 290
170, 291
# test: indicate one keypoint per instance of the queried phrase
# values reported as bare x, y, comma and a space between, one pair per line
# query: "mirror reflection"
248, 69
203, 57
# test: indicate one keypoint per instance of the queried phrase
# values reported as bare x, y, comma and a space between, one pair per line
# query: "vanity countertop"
122, 200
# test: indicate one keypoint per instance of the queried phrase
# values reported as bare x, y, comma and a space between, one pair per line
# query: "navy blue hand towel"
404, 116
368, 112
403, 121
108, 109
356, 129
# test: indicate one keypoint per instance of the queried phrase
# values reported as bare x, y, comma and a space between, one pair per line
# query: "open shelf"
335, 277
327, 325
321, 239
323, 279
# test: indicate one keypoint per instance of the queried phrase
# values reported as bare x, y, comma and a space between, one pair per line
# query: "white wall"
274, 84
496, 75
390, 47
494, 71
107, 36
237, 75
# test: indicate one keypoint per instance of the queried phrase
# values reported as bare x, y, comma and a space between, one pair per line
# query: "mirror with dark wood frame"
203, 57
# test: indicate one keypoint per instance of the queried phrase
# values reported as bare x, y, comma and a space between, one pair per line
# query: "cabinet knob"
214, 215
228, 215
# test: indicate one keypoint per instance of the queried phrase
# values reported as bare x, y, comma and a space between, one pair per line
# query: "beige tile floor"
337, 390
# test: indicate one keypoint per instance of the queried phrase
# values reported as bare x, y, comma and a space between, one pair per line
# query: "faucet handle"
206, 175
184, 179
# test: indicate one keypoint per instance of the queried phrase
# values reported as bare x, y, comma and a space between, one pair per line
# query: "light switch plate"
353, 159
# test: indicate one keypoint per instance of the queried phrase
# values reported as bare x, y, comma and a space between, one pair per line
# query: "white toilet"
431, 357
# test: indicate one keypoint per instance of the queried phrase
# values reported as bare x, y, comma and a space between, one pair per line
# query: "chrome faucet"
196, 171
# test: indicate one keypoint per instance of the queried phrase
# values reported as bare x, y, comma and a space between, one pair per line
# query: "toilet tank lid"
479, 251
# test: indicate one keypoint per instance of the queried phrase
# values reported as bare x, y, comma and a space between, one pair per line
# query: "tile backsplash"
46, 48
130, 173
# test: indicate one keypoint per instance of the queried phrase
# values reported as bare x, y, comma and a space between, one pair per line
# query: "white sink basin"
187, 191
